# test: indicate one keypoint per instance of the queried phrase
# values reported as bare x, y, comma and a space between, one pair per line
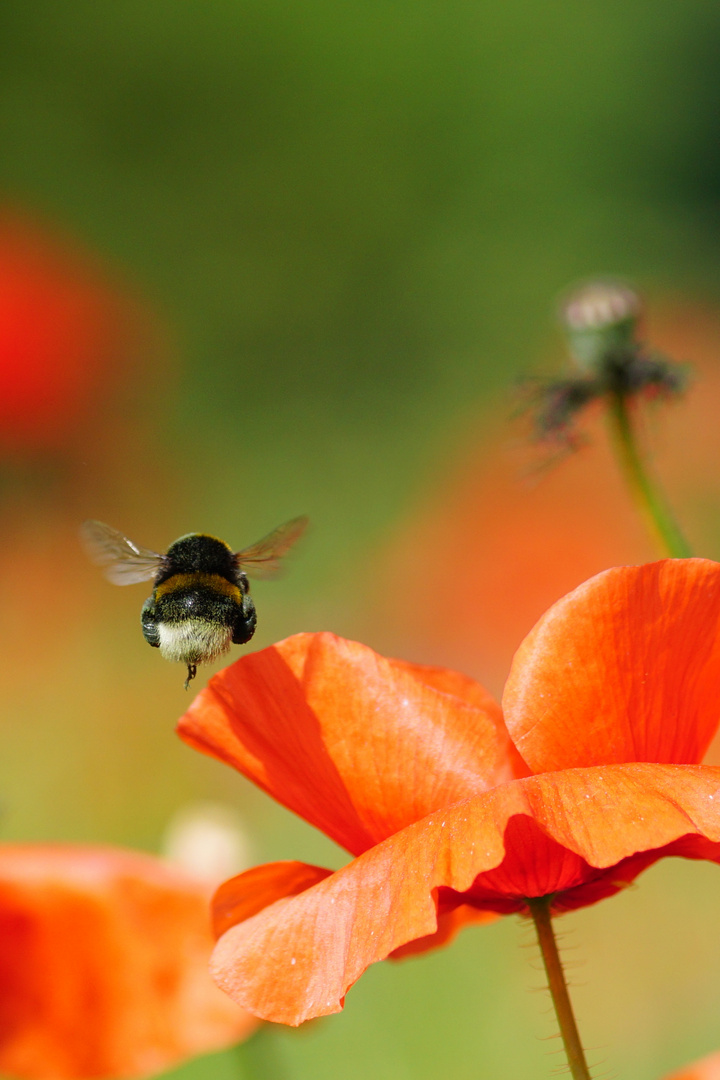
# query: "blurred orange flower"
455, 810
63, 329
707, 1068
103, 965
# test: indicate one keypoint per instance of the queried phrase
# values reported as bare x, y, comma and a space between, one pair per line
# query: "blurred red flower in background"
103, 965
64, 336
498, 540
452, 816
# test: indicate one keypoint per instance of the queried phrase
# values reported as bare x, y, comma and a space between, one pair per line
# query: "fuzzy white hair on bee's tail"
193, 641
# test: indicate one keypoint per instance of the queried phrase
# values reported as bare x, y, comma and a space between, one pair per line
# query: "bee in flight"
200, 602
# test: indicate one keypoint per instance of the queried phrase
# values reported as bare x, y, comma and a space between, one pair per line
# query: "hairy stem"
540, 911
645, 490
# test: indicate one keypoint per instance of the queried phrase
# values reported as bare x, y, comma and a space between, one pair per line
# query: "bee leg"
192, 672
245, 622
149, 623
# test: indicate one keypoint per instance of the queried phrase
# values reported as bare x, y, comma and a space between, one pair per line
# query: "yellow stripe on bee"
197, 580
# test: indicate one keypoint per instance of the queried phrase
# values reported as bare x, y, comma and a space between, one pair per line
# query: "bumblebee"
201, 601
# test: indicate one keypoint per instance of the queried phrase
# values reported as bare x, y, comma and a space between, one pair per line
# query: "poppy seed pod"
600, 319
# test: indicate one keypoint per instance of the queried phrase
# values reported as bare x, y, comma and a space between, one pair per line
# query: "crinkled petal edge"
554, 833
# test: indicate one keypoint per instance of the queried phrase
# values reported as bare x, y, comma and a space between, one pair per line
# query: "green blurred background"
345, 225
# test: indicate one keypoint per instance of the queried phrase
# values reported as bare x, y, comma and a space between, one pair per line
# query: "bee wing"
124, 562
262, 560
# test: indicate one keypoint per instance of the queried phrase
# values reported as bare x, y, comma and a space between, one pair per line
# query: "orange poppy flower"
455, 810
103, 965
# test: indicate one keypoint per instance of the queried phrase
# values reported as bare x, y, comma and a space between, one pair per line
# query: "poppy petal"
625, 668
561, 831
246, 894
103, 965
249, 893
358, 745
449, 924
455, 683
468, 690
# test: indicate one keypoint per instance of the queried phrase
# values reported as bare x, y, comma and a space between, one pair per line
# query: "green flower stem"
540, 911
645, 491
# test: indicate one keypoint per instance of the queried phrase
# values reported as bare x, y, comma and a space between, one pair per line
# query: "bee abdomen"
180, 599
193, 641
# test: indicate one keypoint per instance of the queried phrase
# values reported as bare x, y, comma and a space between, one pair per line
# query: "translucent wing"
124, 562
262, 560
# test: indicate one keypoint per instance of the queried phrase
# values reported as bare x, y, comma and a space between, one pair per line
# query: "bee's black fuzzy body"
200, 602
